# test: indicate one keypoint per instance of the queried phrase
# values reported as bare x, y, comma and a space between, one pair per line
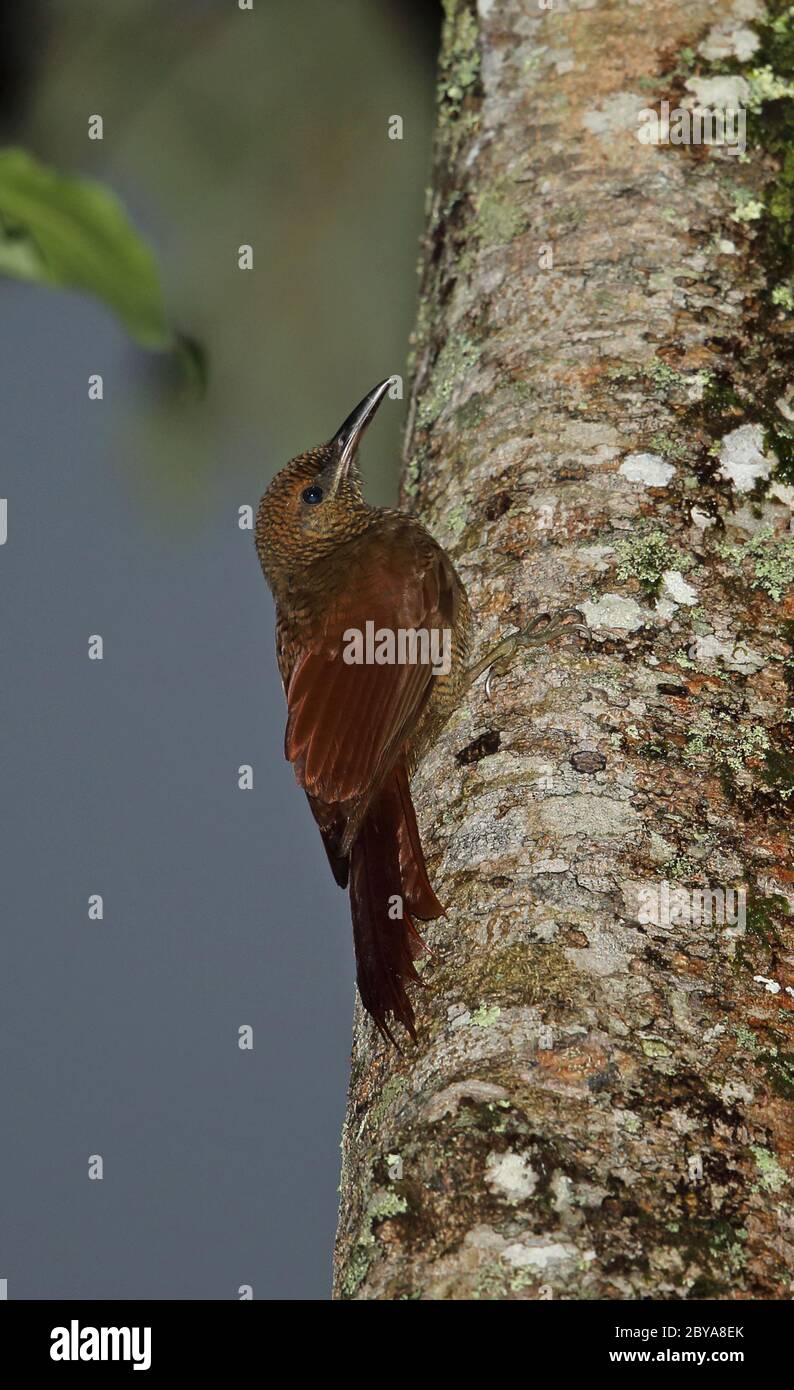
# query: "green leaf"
60, 230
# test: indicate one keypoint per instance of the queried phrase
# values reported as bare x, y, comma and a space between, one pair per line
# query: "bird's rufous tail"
388, 888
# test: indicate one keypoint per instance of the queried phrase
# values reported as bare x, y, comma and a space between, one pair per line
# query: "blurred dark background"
119, 777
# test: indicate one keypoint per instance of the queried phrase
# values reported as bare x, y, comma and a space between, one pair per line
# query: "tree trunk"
599, 1103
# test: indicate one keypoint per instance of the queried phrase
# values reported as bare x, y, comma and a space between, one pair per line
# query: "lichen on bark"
599, 1102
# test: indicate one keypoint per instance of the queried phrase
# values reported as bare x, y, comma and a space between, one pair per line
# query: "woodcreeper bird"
356, 730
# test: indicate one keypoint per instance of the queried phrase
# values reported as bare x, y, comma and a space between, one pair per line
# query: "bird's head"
315, 501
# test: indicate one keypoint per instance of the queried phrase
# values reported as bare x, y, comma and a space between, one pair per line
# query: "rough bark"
599, 1104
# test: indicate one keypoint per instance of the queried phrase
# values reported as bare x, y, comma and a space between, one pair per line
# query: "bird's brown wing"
347, 722
346, 734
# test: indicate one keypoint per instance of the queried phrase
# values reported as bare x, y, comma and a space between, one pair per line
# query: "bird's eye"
312, 494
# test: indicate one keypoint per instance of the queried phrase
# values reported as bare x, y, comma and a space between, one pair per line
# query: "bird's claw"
541, 630
553, 625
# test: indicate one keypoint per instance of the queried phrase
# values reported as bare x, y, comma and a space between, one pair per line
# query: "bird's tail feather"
388, 888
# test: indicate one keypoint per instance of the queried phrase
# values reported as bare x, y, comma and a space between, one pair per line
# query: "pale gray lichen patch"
617, 113
726, 40
614, 612
701, 519
784, 493
510, 1175
721, 93
735, 656
649, 469
542, 1254
528, 1250
676, 588
743, 459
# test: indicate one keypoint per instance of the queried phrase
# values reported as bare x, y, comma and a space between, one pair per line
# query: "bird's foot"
546, 626
538, 633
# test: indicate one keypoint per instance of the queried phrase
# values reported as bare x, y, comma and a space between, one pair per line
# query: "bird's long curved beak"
347, 438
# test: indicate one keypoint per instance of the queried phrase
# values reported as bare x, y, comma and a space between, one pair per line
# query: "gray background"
119, 777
